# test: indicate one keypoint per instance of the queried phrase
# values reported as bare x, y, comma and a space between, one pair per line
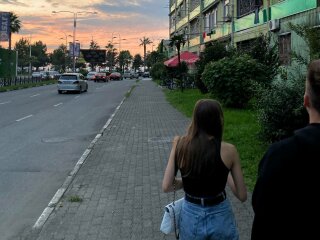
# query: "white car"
72, 82
36, 75
91, 75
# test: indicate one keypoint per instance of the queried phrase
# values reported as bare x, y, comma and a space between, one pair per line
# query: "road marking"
59, 194
35, 95
58, 104
2, 103
18, 120
76, 97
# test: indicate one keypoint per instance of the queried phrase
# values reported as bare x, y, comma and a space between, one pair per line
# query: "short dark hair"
313, 78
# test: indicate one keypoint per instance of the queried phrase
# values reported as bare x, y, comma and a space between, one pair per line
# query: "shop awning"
186, 56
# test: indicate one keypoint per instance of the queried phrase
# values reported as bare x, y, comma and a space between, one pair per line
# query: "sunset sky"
129, 20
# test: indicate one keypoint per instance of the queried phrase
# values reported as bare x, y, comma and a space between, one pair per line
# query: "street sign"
4, 26
76, 49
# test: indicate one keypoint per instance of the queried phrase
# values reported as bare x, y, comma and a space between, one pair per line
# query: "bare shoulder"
228, 153
228, 148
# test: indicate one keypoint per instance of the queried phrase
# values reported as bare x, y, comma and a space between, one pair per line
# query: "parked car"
36, 75
115, 76
72, 82
146, 74
100, 76
91, 75
127, 74
135, 74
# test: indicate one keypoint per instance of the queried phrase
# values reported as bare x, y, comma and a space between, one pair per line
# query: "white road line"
58, 104
2, 103
18, 120
35, 95
76, 97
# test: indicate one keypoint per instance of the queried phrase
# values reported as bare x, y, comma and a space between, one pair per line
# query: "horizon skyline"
129, 21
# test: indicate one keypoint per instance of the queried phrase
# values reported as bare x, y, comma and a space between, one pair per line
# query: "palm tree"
144, 42
177, 41
15, 25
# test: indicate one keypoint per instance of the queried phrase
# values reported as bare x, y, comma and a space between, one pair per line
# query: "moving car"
100, 76
115, 76
91, 75
72, 82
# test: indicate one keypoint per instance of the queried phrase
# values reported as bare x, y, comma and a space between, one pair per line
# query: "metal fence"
14, 81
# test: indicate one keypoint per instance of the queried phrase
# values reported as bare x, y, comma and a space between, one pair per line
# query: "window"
248, 6
285, 49
210, 19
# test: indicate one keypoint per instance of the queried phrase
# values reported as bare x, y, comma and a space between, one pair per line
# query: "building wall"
246, 27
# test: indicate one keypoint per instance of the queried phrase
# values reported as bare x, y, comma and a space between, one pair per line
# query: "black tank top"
209, 182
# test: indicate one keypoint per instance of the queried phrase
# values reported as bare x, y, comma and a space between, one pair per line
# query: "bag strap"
174, 214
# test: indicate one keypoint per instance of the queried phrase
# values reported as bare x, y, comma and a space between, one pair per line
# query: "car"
36, 75
72, 82
115, 76
127, 74
91, 75
100, 76
53, 74
135, 74
146, 74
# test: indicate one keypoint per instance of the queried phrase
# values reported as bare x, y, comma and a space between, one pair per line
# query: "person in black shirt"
284, 197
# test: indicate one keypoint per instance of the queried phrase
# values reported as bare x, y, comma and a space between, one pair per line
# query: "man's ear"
306, 100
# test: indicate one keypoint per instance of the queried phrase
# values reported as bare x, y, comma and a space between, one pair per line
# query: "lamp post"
75, 15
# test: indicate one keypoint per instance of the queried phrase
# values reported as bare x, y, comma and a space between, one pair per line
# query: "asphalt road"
42, 136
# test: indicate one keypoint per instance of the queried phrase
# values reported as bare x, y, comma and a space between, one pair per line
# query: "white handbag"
170, 220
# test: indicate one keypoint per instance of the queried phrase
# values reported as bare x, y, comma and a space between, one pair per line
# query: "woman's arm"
168, 178
235, 177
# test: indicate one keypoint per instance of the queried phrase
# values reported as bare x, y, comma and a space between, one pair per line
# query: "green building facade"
237, 22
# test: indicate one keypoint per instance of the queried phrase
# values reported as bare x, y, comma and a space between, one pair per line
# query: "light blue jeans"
208, 223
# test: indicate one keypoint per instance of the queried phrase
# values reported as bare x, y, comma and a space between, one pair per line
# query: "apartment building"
238, 22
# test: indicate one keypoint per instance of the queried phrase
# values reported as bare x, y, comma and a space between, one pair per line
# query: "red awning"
185, 56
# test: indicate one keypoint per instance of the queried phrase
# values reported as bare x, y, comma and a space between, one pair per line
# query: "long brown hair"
195, 151
313, 78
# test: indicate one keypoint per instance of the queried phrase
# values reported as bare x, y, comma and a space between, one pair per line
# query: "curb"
59, 194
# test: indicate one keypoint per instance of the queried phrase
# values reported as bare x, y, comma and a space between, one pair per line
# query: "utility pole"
30, 66
232, 24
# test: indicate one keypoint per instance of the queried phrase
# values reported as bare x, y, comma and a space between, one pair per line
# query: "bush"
280, 109
232, 79
214, 52
159, 71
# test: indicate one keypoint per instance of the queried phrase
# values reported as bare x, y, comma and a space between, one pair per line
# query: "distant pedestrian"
206, 164
285, 199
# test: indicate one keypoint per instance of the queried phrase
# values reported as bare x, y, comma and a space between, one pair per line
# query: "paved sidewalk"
120, 181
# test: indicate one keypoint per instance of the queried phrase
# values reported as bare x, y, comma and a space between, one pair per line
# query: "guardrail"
19, 80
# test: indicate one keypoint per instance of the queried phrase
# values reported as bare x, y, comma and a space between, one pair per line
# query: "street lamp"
75, 15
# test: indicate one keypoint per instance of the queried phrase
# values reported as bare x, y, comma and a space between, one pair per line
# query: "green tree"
311, 36
178, 41
39, 54
94, 45
137, 62
15, 26
57, 58
144, 42
23, 48
111, 56
124, 59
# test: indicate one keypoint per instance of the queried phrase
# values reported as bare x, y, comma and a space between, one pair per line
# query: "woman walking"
206, 164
